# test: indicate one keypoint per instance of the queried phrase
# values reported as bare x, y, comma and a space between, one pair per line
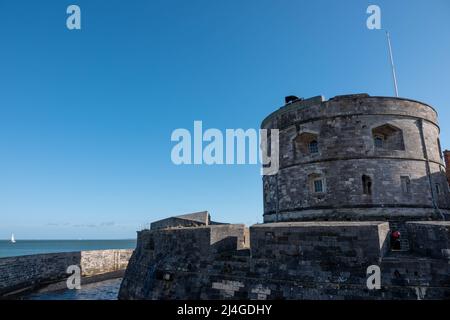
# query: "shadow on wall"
438, 190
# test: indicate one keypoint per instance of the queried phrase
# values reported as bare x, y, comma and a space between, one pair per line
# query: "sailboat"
12, 239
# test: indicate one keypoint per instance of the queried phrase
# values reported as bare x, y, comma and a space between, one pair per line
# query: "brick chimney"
447, 164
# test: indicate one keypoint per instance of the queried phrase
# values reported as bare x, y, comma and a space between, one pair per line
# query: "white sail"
12, 238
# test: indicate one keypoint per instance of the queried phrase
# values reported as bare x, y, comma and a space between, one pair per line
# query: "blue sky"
86, 116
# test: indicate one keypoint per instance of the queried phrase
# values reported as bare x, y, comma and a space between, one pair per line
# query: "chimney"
447, 164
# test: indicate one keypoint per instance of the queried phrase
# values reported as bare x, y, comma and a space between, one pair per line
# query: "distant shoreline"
17, 240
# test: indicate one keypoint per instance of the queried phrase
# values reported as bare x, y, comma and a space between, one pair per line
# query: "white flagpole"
392, 63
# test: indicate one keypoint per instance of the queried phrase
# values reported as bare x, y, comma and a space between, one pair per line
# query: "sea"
27, 247
103, 290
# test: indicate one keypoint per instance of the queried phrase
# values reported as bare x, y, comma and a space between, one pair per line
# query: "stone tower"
356, 157
447, 164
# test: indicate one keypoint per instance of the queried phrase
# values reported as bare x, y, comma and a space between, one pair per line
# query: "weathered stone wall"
343, 128
18, 273
301, 260
447, 164
162, 254
430, 239
103, 261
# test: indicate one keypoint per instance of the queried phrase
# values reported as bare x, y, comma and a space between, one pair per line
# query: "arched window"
388, 137
367, 185
313, 147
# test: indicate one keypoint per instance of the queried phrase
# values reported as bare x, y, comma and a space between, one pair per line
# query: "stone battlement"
298, 260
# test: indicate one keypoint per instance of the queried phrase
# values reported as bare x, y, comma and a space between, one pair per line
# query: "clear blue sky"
86, 116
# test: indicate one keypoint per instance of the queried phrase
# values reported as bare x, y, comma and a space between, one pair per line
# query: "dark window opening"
367, 185
438, 188
441, 155
313, 147
406, 184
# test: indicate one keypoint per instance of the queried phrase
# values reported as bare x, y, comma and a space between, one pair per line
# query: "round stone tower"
356, 157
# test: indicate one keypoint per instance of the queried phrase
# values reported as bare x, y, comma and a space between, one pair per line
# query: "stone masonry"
353, 169
33, 271
390, 144
288, 260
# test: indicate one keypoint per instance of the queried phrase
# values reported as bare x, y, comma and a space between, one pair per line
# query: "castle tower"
356, 157
447, 164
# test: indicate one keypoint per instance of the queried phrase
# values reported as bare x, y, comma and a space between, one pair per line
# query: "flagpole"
392, 63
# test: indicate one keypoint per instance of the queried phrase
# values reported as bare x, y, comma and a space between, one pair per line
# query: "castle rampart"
298, 260
25, 273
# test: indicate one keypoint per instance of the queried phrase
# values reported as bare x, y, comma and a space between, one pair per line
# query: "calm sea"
26, 247
104, 290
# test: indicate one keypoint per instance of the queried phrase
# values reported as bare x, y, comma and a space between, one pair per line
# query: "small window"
406, 184
438, 188
367, 184
378, 141
313, 147
318, 185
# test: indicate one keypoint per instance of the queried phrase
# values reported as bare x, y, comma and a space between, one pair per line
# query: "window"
306, 143
378, 141
406, 184
318, 185
367, 185
438, 188
313, 147
388, 137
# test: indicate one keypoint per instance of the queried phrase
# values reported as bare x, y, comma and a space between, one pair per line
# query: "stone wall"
163, 254
103, 261
32, 271
301, 260
344, 130
430, 239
